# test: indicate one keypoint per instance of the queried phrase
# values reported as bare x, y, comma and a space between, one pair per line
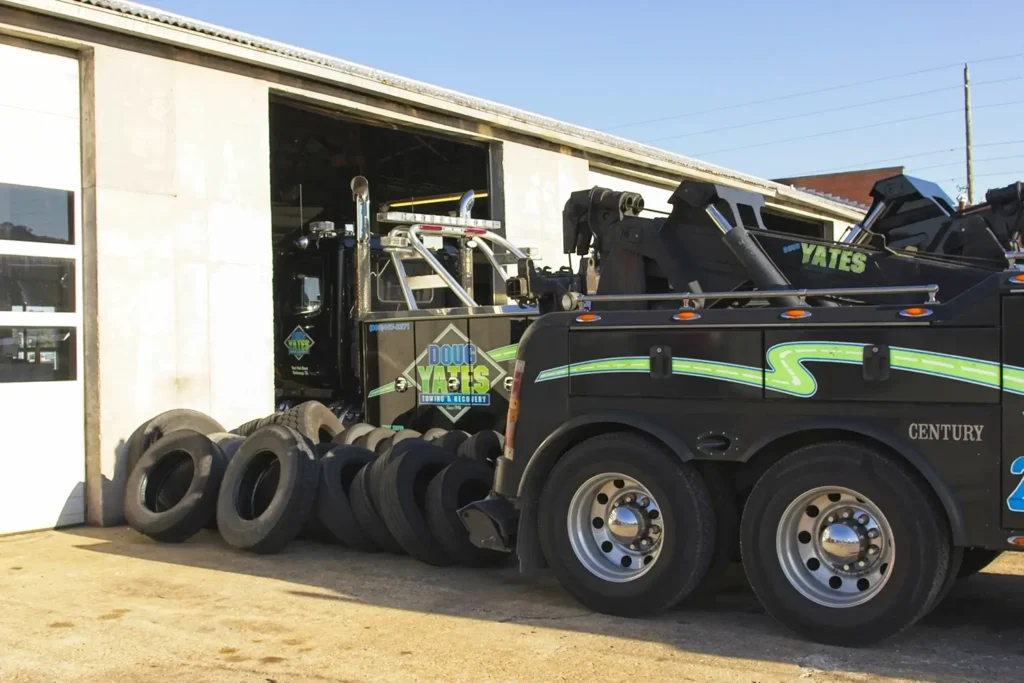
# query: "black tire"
483, 447
919, 532
685, 509
251, 426
434, 433
384, 446
727, 529
349, 436
371, 439
976, 559
461, 483
313, 420
155, 428
370, 521
229, 443
403, 500
956, 558
175, 517
451, 441
338, 470
268, 490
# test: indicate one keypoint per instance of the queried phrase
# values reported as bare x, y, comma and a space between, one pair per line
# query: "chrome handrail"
930, 290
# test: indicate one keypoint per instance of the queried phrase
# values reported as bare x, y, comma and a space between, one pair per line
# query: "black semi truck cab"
858, 449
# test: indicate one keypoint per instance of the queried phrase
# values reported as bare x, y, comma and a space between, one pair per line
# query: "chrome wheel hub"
615, 527
835, 547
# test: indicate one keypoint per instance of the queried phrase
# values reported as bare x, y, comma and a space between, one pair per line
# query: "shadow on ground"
976, 634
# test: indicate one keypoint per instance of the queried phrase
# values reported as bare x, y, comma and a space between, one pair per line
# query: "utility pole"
967, 132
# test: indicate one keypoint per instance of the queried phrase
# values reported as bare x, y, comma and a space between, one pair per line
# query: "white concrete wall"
182, 248
537, 184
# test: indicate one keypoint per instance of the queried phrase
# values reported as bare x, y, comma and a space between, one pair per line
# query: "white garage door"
42, 444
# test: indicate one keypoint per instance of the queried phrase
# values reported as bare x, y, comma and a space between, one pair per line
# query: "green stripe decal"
1013, 379
380, 391
787, 372
503, 353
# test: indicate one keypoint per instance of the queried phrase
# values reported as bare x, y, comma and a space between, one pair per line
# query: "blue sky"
601, 65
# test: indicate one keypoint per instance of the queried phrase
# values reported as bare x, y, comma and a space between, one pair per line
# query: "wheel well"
747, 473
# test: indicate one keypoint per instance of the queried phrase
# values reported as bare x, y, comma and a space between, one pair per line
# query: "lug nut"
629, 499
873, 533
641, 501
831, 519
645, 542
655, 529
873, 550
846, 514
846, 567
863, 519
862, 564
632, 546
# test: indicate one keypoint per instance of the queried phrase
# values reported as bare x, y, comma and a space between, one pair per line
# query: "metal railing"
801, 294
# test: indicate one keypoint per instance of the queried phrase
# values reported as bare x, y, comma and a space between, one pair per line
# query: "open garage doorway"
315, 153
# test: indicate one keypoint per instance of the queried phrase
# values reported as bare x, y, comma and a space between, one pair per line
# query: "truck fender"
893, 442
592, 424
544, 458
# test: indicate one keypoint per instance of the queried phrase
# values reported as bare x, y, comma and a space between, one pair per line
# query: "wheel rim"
616, 527
835, 547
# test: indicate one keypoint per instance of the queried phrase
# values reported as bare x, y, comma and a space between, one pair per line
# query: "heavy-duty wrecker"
842, 416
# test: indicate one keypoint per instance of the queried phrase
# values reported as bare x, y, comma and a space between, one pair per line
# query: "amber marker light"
1017, 279
587, 318
916, 312
686, 315
1017, 540
796, 314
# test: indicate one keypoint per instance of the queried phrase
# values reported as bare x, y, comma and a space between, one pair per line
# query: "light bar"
403, 218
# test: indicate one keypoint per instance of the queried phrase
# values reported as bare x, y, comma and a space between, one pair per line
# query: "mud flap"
491, 523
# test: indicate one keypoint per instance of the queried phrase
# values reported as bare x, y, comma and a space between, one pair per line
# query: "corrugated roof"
832, 197
445, 95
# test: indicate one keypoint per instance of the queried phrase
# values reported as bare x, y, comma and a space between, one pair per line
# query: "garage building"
147, 162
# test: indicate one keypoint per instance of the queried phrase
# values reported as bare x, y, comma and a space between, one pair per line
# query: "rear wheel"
627, 528
819, 539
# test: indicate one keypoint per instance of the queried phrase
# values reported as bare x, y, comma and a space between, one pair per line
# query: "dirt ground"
108, 605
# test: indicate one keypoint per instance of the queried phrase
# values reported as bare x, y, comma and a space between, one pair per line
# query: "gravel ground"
109, 605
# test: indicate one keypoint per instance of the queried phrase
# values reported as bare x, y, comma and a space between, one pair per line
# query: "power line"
845, 107
982, 175
856, 128
832, 88
902, 157
977, 161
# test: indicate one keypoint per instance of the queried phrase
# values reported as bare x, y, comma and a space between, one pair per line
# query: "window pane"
37, 354
37, 284
36, 214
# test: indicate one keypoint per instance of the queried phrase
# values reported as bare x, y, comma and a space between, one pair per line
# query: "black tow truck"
845, 417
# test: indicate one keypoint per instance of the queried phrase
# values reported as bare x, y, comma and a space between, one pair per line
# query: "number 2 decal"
1016, 500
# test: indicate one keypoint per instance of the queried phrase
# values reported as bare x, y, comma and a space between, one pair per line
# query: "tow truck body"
730, 364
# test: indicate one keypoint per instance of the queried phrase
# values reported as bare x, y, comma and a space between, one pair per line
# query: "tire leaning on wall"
159, 426
172, 492
268, 491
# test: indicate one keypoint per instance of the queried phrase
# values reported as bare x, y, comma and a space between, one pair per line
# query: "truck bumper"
491, 523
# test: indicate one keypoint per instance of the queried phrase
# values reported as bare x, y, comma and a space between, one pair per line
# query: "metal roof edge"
80, 10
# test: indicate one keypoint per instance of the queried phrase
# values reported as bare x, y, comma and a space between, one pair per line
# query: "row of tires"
301, 473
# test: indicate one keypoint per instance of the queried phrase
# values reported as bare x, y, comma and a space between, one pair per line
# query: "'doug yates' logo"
298, 343
453, 374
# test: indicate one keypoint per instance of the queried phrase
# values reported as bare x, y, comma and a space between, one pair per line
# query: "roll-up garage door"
42, 444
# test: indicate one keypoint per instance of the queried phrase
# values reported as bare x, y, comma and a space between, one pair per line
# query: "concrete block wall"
178, 177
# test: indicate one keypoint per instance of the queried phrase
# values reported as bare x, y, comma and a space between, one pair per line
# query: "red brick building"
853, 186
